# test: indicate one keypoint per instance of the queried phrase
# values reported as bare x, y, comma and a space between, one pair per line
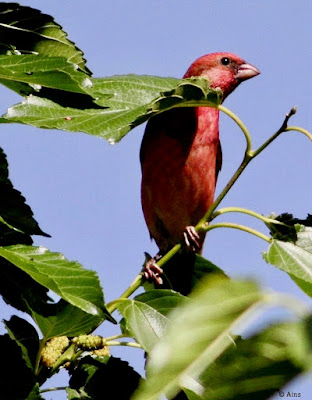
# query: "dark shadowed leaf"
98, 377
19, 290
26, 337
79, 286
17, 381
286, 227
16, 217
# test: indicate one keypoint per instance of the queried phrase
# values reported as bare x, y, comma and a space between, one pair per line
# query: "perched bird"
180, 159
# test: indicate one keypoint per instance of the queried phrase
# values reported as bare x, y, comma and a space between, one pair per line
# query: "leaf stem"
53, 389
244, 211
137, 282
282, 129
239, 227
299, 129
239, 122
119, 343
211, 214
38, 358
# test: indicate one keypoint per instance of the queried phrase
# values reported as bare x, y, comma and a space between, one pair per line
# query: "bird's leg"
192, 239
151, 271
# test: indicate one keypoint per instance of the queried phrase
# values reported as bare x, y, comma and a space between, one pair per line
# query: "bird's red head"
224, 70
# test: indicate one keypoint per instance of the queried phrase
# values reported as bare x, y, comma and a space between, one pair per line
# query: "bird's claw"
191, 238
152, 271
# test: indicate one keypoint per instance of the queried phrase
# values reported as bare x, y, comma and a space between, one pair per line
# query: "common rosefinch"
181, 158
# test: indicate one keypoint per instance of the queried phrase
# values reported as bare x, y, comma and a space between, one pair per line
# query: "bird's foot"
192, 239
151, 271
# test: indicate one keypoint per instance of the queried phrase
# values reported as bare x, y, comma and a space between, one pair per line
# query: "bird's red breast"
181, 154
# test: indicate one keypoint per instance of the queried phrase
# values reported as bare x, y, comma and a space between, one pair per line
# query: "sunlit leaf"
198, 334
79, 286
25, 30
63, 319
128, 100
294, 258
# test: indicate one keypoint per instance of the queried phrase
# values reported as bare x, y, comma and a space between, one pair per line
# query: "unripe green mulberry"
53, 349
89, 342
104, 352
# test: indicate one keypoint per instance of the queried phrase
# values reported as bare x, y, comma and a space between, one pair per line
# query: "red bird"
181, 158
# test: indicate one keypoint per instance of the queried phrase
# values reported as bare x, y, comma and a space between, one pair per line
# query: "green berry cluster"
89, 342
53, 349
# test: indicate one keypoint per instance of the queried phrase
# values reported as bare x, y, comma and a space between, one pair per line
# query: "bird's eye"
225, 61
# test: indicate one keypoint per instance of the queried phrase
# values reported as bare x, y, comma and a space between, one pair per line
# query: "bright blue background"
86, 193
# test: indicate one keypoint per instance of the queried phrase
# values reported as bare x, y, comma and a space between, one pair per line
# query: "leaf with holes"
123, 103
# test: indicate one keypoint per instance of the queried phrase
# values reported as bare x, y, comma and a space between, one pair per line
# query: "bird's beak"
246, 71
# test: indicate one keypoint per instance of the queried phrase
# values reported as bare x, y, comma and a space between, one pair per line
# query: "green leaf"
73, 394
63, 319
79, 286
144, 322
198, 334
97, 377
205, 268
43, 71
16, 217
27, 30
26, 337
294, 258
257, 367
35, 393
162, 300
129, 100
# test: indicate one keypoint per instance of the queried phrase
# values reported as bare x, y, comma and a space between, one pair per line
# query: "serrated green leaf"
204, 268
144, 323
162, 300
63, 319
79, 286
294, 258
35, 393
199, 332
27, 30
43, 71
26, 337
129, 100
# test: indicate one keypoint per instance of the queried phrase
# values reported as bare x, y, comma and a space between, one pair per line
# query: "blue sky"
86, 193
